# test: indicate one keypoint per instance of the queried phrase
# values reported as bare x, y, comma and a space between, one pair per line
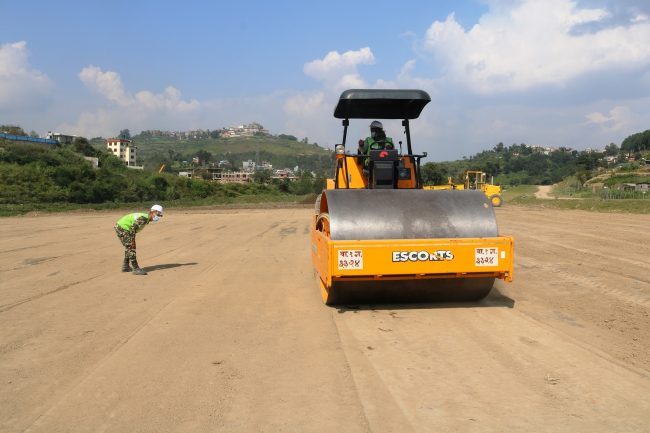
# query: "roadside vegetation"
521, 164
601, 181
40, 178
524, 195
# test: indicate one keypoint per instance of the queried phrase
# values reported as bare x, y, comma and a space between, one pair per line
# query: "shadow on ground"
167, 266
494, 300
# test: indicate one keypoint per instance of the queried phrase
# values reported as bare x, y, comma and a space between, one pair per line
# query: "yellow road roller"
379, 237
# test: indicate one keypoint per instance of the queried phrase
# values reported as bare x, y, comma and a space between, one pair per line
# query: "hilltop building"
235, 177
61, 138
64, 138
123, 149
283, 174
250, 130
47, 141
250, 166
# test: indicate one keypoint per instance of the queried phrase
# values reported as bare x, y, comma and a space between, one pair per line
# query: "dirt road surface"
543, 192
227, 333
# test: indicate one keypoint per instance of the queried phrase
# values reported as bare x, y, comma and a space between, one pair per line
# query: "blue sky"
554, 72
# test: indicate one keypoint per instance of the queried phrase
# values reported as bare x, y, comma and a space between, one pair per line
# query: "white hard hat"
157, 208
376, 124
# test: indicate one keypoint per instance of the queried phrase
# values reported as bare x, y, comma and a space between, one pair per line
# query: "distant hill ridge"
281, 150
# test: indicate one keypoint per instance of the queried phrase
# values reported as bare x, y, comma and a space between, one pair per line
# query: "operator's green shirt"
371, 144
133, 222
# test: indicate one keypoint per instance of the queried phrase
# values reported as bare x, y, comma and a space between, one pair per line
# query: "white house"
123, 149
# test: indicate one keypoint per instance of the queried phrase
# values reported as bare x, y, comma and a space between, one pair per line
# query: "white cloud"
305, 105
406, 80
533, 44
169, 100
142, 110
339, 71
21, 86
310, 115
108, 84
619, 119
335, 63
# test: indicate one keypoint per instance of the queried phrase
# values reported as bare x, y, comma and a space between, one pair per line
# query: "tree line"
520, 164
31, 173
637, 142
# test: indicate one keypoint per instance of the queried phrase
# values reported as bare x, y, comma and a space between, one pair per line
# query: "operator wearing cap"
126, 229
376, 141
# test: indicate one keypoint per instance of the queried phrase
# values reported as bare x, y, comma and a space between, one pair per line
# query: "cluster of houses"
546, 150
194, 134
610, 159
126, 151
250, 130
638, 187
218, 172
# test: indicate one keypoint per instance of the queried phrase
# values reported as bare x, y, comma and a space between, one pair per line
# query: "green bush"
38, 177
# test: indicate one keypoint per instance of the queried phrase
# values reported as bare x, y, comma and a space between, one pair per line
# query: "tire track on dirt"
583, 221
588, 347
27, 247
607, 257
549, 231
387, 418
98, 365
15, 304
587, 282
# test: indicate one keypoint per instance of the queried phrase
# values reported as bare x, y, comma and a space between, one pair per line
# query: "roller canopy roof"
381, 104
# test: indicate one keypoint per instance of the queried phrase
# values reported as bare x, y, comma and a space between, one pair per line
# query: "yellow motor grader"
378, 237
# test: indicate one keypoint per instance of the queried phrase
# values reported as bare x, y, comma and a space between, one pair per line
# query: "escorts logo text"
422, 256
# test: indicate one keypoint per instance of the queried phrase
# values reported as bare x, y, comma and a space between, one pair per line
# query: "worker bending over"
126, 229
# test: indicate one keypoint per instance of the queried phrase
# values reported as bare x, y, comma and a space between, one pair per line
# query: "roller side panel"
422, 257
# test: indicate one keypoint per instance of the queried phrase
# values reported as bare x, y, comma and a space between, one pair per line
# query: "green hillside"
37, 177
521, 164
281, 151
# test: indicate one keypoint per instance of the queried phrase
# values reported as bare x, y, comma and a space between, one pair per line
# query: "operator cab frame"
386, 168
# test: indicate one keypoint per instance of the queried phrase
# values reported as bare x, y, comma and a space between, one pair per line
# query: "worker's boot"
125, 266
137, 270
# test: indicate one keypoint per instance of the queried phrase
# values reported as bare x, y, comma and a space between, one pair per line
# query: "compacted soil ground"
228, 333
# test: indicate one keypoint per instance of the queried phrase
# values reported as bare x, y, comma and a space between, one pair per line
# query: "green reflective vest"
128, 220
371, 144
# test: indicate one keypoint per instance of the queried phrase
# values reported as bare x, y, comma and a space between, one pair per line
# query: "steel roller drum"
409, 214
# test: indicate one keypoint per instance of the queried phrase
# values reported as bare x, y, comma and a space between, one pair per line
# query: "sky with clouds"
547, 72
